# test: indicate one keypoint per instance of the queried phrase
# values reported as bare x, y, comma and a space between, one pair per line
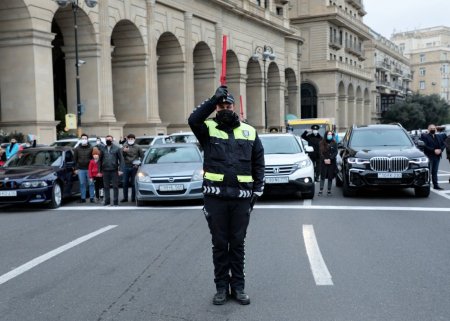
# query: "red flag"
241, 107
223, 75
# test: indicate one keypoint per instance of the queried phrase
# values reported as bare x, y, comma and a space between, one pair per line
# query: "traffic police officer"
233, 179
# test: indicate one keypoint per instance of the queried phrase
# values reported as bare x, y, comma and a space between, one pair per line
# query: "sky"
387, 16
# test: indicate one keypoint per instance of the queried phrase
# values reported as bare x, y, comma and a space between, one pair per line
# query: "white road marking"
47, 256
308, 207
318, 267
307, 202
442, 193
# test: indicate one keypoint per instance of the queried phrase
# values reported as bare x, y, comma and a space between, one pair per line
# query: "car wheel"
339, 182
347, 191
422, 191
309, 195
56, 200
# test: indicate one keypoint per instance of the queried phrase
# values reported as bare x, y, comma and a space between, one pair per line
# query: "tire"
347, 191
309, 195
339, 182
422, 191
56, 200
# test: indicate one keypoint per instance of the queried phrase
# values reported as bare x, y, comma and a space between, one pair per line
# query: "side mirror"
309, 149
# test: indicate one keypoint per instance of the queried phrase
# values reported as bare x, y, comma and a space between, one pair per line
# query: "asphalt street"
382, 255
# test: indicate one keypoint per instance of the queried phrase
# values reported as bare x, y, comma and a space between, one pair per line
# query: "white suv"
288, 167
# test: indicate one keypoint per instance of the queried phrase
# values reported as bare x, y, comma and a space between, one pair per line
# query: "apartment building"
392, 71
429, 52
143, 64
335, 79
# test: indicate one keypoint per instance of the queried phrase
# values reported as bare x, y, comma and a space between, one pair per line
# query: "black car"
382, 156
39, 175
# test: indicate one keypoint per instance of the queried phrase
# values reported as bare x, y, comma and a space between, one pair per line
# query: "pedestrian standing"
94, 174
434, 145
82, 157
12, 148
328, 152
111, 164
132, 155
233, 179
447, 149
314, 138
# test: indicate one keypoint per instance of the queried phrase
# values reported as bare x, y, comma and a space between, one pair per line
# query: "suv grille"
386, 164
278, 170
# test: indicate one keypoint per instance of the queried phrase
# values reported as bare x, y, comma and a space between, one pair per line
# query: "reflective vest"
228, 161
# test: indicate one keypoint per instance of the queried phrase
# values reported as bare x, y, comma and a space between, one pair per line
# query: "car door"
71, 181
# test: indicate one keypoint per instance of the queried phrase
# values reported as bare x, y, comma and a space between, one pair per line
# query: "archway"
309, 101
341, 117
291, 93
351, 106
204, 72
128, 61
254, 108
171, 69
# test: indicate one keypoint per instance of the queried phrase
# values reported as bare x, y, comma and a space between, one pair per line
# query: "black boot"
220, 297
240, 296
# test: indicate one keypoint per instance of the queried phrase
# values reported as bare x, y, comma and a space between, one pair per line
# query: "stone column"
26, 71
275, 104
189, 103
360, 111
351, 111
342, 113
367, 112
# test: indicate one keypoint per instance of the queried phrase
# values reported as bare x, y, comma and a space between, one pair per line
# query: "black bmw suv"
381, 156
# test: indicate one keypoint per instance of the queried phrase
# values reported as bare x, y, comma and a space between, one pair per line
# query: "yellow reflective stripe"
213, 131
244, 178
214, 177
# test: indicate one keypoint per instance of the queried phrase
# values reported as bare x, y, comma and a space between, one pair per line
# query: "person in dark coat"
111, 167
233, 180
82, 156
328, 151
313, 138
434, 145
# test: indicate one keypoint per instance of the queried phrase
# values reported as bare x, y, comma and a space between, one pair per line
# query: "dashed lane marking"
318, 267
47, 256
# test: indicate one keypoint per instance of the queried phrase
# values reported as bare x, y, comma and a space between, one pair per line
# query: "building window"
402, 46
444, 56
279, 11
444, 83
422, 58
422, 71
340, 58
422, 85
445, 68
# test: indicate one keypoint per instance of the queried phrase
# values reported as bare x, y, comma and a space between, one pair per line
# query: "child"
94, 175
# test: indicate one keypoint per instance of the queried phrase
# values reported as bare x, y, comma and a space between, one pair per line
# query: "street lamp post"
78, 62
265, 52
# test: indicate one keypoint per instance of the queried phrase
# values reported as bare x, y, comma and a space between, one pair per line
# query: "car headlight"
33, 184
420, 160
198, 175
358, 162
144, 177
303, 164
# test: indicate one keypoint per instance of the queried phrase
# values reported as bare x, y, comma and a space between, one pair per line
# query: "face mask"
130, 142
227, 117
99, 142
108, 142
84, 142
329, 137
315, 131
432, 131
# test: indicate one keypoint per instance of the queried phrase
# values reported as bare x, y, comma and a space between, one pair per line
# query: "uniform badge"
246, 133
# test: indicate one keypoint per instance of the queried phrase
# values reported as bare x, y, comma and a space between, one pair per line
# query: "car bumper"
152, 192
301, 184
411, 178
34, 195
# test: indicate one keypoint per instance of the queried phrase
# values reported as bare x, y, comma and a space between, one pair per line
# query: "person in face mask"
434, 145
132, 155
111, 165
233, 180
328, 152
314, 138
82, 157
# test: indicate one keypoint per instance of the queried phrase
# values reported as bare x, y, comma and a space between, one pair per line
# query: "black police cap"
315, 127
228, 99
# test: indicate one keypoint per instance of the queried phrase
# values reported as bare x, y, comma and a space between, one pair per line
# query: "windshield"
36, 158
300, 129
144, 141
164, 155
280, 145
380, 137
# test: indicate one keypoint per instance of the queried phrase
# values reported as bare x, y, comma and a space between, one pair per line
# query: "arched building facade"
147, 63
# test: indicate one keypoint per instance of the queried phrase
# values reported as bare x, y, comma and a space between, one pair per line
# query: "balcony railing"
397, 71
383, 65
383, 83
355, 21
335, 44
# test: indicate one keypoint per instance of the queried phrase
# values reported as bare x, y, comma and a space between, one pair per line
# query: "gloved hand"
253, 200
221, 92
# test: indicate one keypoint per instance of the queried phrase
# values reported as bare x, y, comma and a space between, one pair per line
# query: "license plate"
277, 180
8, 193
389, 175
171, 188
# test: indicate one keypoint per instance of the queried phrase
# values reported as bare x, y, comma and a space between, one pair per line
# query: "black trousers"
228, 221
111, 178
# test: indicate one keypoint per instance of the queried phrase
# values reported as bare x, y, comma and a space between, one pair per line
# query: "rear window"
380, 137
280, 145
144, 141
